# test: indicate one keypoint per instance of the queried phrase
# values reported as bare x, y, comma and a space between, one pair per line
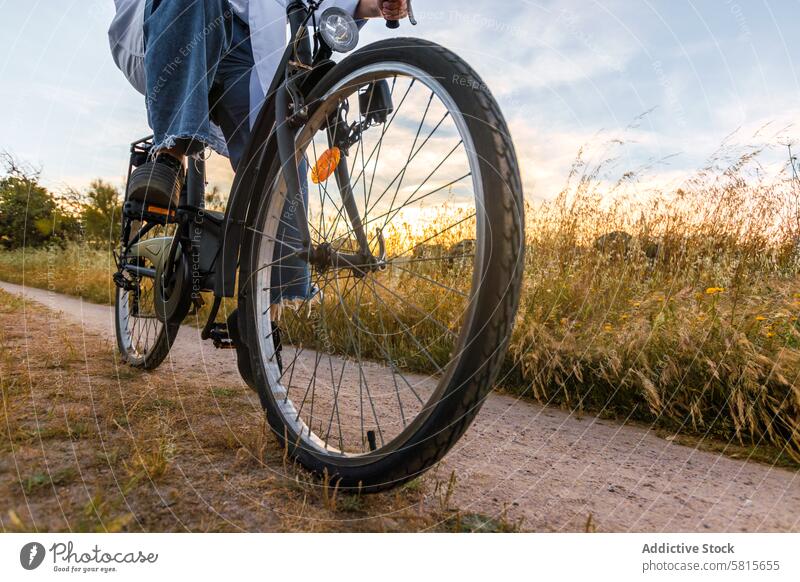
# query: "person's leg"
231, 109
184, 42
291, 277
230, 93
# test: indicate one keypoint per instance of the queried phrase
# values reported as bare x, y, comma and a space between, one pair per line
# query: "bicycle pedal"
222, 340
123, 282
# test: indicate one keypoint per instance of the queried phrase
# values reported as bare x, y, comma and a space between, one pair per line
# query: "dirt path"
545, 466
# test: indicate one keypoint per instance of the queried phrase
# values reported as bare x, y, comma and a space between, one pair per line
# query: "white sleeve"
126, 38
348, 6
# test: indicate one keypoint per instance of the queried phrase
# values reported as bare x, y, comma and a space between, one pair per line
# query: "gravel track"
546, 467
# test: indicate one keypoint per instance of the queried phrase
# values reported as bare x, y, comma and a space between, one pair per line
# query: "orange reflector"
162, 211
326, 165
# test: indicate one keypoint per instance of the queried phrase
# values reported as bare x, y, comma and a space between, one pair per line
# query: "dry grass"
78, 270
700, 337
88, 446
75, 269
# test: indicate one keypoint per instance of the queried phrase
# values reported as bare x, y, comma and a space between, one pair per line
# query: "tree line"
33, 216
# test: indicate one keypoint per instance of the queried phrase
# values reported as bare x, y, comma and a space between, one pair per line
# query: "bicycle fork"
322, 256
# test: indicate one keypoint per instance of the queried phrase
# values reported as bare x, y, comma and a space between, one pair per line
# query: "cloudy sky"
566, 73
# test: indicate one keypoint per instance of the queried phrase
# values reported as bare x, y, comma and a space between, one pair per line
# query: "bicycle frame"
212, 242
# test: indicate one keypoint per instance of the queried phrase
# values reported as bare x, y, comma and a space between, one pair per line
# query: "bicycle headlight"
338, 30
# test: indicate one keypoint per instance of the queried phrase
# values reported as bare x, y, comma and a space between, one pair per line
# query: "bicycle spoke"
411, 335
399, 261
410, 200
438, 234
437, 283
411, 159
389, 358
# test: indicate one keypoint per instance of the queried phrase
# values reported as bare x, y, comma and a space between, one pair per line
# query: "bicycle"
409, 243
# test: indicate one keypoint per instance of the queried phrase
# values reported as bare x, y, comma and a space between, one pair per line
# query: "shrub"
30, 216
100, 214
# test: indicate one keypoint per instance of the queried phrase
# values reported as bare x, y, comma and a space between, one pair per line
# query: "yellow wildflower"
714, 290
608, 327
760, 318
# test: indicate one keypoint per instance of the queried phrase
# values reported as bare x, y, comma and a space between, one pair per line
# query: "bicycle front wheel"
377, 372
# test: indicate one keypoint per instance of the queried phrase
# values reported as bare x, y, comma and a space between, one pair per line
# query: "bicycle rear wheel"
382, 370
144, 338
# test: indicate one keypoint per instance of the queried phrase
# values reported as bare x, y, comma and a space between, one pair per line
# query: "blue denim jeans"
198, 63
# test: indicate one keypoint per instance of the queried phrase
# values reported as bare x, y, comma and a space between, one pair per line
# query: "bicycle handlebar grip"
392, 24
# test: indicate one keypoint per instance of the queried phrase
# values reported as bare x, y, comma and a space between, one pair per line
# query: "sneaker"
243, 351
158, 182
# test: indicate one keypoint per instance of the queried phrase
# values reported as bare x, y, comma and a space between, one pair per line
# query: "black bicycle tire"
497, 299
162, 346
